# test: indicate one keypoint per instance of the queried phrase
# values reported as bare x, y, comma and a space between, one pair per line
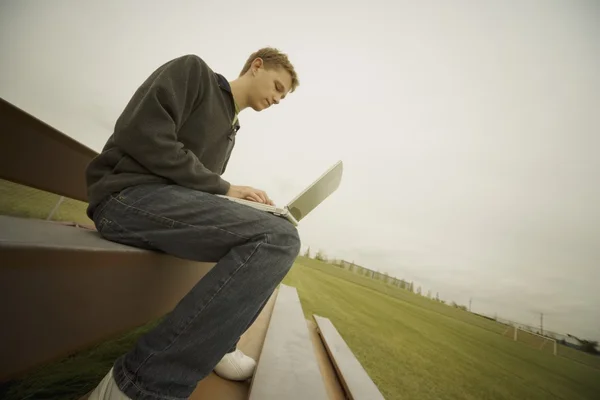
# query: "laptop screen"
313, 195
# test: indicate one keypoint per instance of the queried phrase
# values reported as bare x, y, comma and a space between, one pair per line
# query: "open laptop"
307, 200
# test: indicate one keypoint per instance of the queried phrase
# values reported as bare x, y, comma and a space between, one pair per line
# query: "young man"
154, 185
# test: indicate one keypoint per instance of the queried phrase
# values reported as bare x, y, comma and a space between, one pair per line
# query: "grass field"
425, 303
22, 201
416, 348
412, 347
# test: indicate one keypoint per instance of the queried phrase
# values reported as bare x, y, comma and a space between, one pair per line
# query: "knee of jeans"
284, 234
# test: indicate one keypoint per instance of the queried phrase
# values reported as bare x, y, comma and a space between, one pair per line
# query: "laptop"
306, 201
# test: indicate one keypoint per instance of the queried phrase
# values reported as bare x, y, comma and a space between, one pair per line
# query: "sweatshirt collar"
224, 84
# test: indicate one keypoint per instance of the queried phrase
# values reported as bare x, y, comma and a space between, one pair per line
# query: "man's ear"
256, 65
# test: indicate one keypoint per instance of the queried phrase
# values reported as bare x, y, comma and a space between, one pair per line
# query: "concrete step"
288, 367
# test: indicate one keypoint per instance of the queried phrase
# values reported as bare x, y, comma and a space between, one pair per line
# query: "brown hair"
273, 58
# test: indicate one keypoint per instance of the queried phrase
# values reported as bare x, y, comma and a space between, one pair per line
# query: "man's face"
269, 85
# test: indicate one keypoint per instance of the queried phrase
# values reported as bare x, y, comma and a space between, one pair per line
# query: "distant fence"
369, 273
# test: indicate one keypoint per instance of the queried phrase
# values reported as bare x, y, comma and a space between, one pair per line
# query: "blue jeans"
253, 251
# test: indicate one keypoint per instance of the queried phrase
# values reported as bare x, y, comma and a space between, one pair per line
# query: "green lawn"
413, 347
22, 201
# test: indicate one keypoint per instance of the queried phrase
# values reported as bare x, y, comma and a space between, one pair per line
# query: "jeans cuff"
133, 390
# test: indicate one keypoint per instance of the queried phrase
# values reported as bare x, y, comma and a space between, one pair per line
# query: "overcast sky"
469, 130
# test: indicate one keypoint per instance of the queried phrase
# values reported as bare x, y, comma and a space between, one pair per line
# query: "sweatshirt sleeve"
147, 129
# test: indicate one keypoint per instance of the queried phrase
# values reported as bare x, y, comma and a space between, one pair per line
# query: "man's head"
269, 76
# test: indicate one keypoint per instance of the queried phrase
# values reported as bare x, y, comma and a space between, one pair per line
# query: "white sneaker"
235, 366
107, 389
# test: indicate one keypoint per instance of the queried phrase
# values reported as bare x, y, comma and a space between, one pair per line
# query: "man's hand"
249, 193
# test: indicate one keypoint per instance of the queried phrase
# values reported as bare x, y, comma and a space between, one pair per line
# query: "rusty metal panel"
37, 155
64, 288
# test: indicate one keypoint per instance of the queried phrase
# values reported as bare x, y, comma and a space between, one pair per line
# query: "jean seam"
140, 237
205, 306
98, 211
103, 221
173, 221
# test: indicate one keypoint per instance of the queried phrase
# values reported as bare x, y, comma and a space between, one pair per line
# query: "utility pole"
470, 299
542, 323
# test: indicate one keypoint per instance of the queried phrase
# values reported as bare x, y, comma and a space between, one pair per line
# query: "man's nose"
276, 99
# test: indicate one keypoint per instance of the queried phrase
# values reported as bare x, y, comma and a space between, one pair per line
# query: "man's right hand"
249, 193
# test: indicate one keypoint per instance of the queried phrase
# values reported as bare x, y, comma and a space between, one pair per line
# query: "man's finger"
259, 195
263, 196
256, 197
250, 196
